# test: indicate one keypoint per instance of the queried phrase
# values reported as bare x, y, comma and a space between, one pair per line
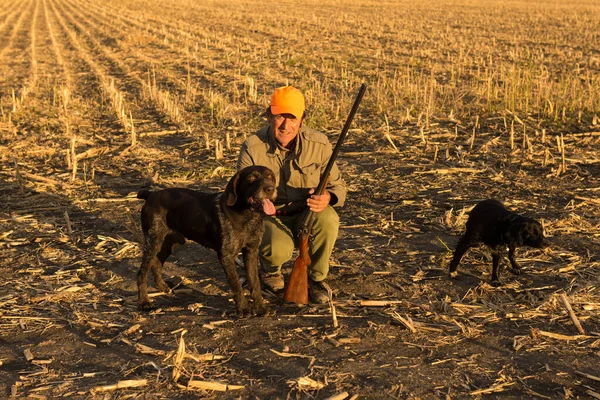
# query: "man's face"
286, 128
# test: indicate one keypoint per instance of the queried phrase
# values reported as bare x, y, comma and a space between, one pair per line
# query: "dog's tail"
143, 194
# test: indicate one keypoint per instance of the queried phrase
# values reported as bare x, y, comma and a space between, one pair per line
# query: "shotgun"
296, 290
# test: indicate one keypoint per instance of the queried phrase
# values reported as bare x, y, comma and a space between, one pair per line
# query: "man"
297, 155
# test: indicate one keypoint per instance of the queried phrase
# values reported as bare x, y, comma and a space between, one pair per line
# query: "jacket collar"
276, 150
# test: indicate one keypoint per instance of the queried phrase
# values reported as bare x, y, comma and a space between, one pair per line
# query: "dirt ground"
69, 219
70, 326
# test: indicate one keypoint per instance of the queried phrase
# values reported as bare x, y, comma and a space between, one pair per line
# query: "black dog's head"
252, 187
523, 231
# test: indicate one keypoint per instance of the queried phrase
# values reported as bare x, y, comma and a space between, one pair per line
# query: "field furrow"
33, 50
186, 73
107, 72
14, 30
10, 17
15, 58
65, 81
7, 11
80, 79
142, 72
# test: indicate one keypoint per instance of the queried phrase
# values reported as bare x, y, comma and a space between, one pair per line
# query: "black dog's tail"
143, 194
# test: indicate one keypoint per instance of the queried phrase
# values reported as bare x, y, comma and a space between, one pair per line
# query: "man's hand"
317, 203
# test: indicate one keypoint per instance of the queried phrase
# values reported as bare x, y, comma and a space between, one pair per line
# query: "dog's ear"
517, 233
511, 231
231, 190
533, 234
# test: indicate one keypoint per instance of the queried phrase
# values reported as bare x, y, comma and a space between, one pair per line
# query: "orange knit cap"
287, 100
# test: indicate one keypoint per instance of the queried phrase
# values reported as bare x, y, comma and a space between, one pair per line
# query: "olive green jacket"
297, 170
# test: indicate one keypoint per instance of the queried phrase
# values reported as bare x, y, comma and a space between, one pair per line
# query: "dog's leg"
142, 283
169, 244
155, 252
228, 263
251, 265
516, 268
463, 245
496, 268
149, 261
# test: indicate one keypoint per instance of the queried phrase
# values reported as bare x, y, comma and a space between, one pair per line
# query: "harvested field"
466, 100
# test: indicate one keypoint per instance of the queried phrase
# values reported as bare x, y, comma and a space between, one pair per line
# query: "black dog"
227, 222
491, 223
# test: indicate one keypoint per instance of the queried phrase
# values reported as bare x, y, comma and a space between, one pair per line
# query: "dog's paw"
241, 308
163, 287
515, 271
496, 283
262, 311
146, 306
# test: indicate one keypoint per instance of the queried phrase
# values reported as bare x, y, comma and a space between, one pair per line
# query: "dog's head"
525, 231
252, 187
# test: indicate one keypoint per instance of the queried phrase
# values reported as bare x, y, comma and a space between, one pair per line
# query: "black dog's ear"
533, 234
511, 231
517, 233
231, 190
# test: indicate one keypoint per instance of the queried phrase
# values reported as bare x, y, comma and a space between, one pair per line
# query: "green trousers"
280, 239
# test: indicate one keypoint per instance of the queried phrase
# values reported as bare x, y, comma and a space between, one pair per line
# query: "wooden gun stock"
296, 290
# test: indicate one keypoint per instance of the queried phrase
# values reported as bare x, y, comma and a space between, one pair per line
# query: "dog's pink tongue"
268, 207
